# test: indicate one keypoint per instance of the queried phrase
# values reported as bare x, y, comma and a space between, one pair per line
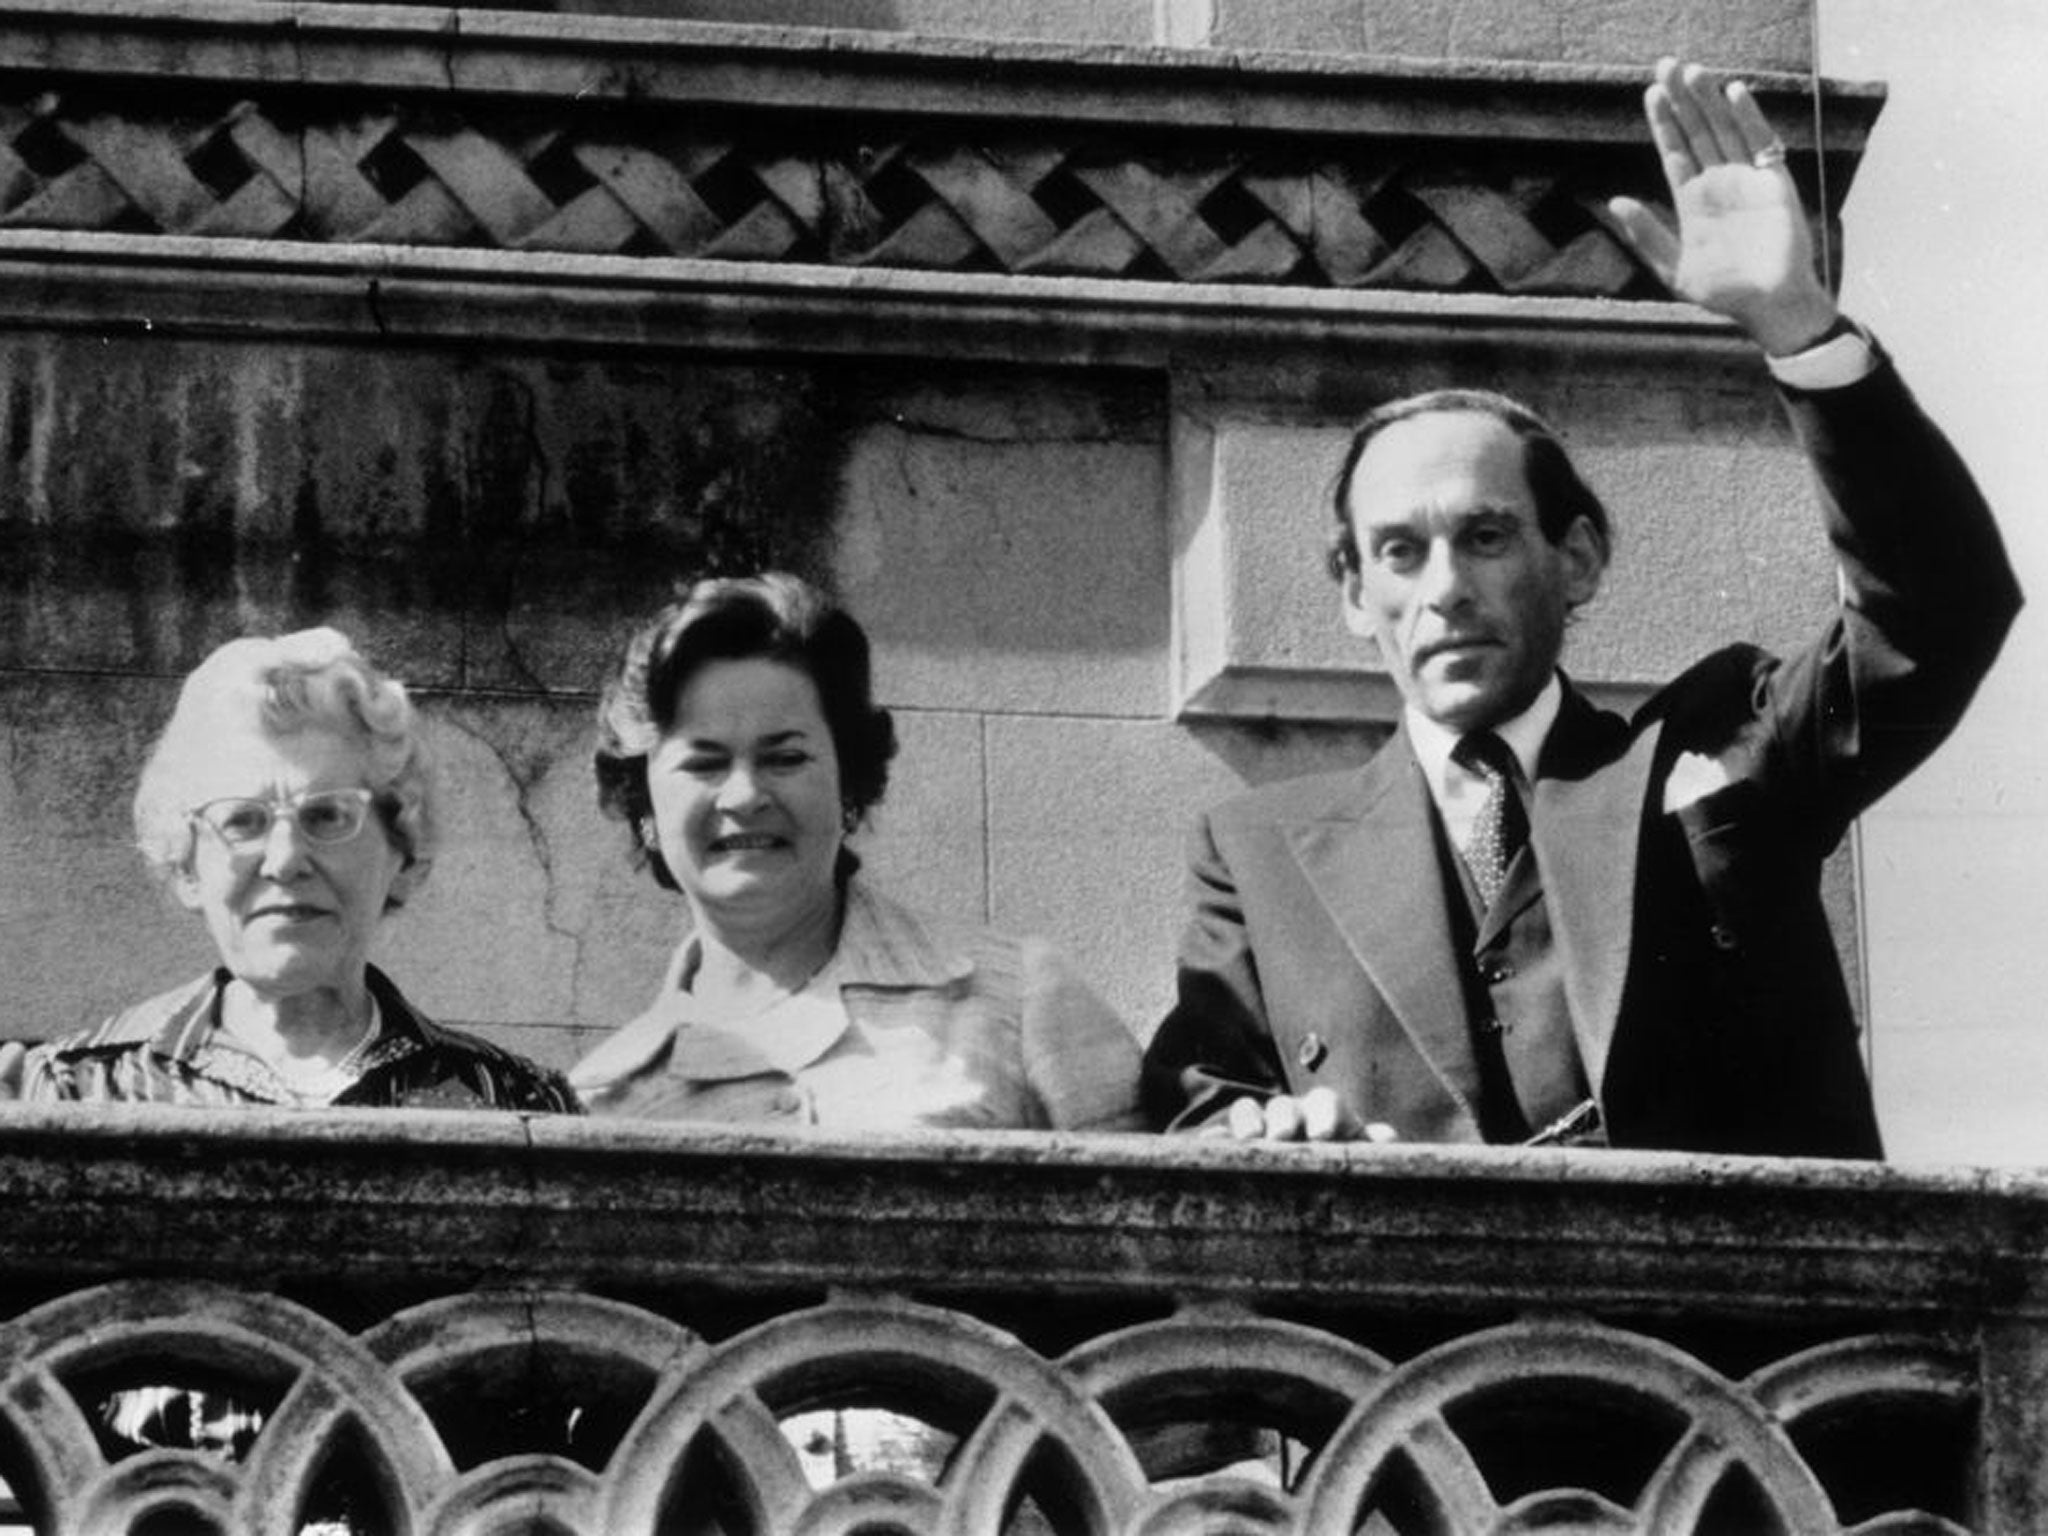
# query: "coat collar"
183, 1027
882, 945
184, 1021
1374, 867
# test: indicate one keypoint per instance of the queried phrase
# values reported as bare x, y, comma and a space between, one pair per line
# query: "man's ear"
185, 886
1356, 617
1585, 562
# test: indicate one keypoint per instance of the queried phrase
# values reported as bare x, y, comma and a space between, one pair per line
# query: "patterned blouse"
172, 1050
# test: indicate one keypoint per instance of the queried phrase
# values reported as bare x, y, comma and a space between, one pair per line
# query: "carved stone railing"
492, 1324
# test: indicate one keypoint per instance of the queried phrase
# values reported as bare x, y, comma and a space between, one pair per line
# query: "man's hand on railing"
1318, 1115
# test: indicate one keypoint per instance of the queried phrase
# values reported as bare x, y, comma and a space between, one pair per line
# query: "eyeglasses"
326, 816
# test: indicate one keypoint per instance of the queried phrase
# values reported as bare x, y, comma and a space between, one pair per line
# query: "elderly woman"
288, 803
740, 744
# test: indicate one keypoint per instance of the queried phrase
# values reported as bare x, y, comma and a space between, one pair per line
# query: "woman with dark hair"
740, 744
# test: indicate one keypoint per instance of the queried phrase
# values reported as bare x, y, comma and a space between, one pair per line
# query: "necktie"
1502, 827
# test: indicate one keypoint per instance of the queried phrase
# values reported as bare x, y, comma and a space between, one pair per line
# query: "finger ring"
1770, 157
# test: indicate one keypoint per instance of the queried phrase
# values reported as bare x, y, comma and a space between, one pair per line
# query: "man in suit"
1525, 918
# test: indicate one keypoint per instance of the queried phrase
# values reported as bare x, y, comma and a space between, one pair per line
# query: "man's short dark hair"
1561, 497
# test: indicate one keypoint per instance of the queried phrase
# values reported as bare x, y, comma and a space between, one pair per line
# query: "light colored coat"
935, 1025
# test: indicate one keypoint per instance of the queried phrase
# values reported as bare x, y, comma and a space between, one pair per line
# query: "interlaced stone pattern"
848, 193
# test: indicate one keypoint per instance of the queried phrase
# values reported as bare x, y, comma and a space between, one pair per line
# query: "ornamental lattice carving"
565, 1412
844, 192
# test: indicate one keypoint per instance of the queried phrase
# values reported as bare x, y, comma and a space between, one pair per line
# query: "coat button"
1726, 937
1311, 1051
1497, 972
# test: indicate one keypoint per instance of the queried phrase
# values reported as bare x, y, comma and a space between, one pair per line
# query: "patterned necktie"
1502, 827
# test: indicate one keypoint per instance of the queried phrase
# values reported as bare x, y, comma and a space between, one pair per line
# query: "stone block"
927, 842
1258, 622
1737, 34
1088, 825
1716, 541
84, 927
497, 931
1003, 541
1111, 21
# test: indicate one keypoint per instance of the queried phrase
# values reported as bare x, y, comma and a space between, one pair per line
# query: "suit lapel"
1586, 828
1374, 867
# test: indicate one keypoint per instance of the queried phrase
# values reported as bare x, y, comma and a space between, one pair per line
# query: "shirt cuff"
1840, 360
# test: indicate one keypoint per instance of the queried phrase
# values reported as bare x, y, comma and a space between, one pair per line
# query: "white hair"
310, 679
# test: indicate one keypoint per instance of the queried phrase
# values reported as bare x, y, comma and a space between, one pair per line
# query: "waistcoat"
1513, 981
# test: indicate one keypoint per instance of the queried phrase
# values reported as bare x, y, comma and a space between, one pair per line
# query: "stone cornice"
171, 285
696, 64
811, 189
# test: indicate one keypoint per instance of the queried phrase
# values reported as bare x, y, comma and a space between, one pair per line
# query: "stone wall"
474, 339
1744, 34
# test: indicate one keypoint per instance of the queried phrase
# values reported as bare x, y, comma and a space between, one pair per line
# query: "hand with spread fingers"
1741, 248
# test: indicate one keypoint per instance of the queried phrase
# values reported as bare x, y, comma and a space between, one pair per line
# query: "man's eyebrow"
1406, 522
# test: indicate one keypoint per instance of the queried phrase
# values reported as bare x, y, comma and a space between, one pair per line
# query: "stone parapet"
1474, 1340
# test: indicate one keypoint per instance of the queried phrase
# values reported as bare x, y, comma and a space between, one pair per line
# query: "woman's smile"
745, 793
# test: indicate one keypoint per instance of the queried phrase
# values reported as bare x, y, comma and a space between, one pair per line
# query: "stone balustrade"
496, 1324
447, 1325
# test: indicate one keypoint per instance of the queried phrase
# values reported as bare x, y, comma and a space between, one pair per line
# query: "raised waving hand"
1741, 246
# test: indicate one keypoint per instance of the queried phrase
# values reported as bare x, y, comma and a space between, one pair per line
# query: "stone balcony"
1437, 1341
468, 332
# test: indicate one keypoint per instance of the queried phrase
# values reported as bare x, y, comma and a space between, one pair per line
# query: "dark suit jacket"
1679, 851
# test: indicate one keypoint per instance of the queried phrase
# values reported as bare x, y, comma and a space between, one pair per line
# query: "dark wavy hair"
772, 616
1561, 497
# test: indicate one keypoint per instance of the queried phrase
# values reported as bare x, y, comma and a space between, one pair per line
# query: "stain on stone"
477, 522
310, 556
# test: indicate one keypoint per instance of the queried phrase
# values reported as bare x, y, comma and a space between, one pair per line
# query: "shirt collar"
1524, 735
785, 1037
881, 944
